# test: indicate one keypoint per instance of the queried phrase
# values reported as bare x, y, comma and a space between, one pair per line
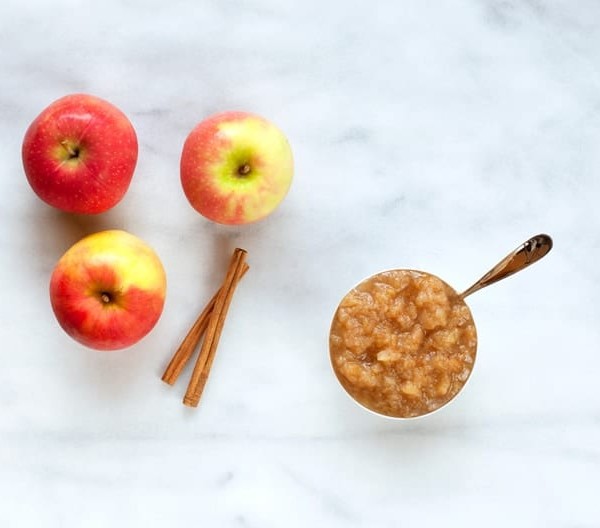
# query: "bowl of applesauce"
403, 342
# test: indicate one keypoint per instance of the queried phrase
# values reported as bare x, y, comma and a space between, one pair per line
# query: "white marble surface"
429, 135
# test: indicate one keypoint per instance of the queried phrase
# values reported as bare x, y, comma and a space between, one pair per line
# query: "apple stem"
244, 169
105, 298
72, 151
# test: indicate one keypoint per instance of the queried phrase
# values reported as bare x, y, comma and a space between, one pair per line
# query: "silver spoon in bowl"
526, 254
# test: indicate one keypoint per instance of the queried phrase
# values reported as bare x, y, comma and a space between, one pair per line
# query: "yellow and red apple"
79, 154
236, 167
108, 290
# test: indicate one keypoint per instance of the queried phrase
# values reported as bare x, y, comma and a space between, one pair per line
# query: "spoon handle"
526, 254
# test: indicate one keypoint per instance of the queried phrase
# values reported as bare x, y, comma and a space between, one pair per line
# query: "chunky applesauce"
403, 343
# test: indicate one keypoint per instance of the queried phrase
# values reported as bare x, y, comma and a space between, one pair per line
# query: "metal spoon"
526, 254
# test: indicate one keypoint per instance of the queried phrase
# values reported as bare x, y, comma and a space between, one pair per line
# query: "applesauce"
403, 343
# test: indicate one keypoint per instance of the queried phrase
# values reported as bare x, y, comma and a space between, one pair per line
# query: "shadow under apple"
60, 230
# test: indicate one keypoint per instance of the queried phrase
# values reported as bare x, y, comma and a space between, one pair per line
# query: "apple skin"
79, 154
236, 168
108, 290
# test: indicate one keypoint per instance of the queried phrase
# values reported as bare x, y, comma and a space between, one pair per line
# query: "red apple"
108, 290
236, 168
79, 154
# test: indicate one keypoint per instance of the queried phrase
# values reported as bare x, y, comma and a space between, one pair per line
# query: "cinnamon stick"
190, 342
213, 332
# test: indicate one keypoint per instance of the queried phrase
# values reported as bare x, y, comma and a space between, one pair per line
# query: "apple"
108, 290
236, 168
79, 154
